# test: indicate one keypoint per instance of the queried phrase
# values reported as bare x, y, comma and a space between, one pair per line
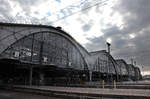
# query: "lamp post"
108, 50
108, 47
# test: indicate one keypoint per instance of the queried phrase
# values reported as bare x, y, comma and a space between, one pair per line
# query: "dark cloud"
88, 26
136, 20
136, 14
136, 17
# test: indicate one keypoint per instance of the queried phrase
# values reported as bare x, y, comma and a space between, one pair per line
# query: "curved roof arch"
8, 30
11, 33
123, 66
97, 54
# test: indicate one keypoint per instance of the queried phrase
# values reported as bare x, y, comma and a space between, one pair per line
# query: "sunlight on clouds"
93, 19
108, 17
90, 18
132, 36
109, 40
73, 29
16, 8
65, 3
42, 9
131, 45
115, 19
52, 10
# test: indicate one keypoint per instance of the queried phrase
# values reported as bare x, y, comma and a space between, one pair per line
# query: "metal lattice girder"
55, 46
60, 45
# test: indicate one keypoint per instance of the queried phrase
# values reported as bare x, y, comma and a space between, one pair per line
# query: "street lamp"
108, 46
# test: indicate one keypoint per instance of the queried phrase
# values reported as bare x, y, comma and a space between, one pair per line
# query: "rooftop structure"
42, 53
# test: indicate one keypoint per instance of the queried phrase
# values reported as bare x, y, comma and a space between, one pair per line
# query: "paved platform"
120, 85
97, 92
5, 94
140, 82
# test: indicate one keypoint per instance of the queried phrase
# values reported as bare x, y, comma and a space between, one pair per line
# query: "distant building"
146, 77
134, 72
128, 71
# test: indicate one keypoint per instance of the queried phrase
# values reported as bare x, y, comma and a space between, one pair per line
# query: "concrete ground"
141, 82
19, 95
140, 93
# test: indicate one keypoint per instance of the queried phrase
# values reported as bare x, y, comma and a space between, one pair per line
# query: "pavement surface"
94, 91
20, 95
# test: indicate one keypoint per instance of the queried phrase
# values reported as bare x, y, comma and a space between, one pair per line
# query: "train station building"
46, 55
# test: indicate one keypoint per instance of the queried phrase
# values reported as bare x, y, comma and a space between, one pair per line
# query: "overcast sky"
123, 23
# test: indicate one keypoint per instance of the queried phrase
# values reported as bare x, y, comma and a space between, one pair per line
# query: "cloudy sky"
123, 23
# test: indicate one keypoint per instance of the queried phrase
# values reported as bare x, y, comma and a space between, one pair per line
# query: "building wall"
123, 67
14, 35
10, 33
102, 62
137, 73
40, 44
46, 48
131, 70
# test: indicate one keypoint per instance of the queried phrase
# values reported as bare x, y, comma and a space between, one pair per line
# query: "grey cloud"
100, 42
97, 43
88, 26
112, 31
120, 46
136, 13
97, 9
136, 19
5, 10
27, 4
86, 8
